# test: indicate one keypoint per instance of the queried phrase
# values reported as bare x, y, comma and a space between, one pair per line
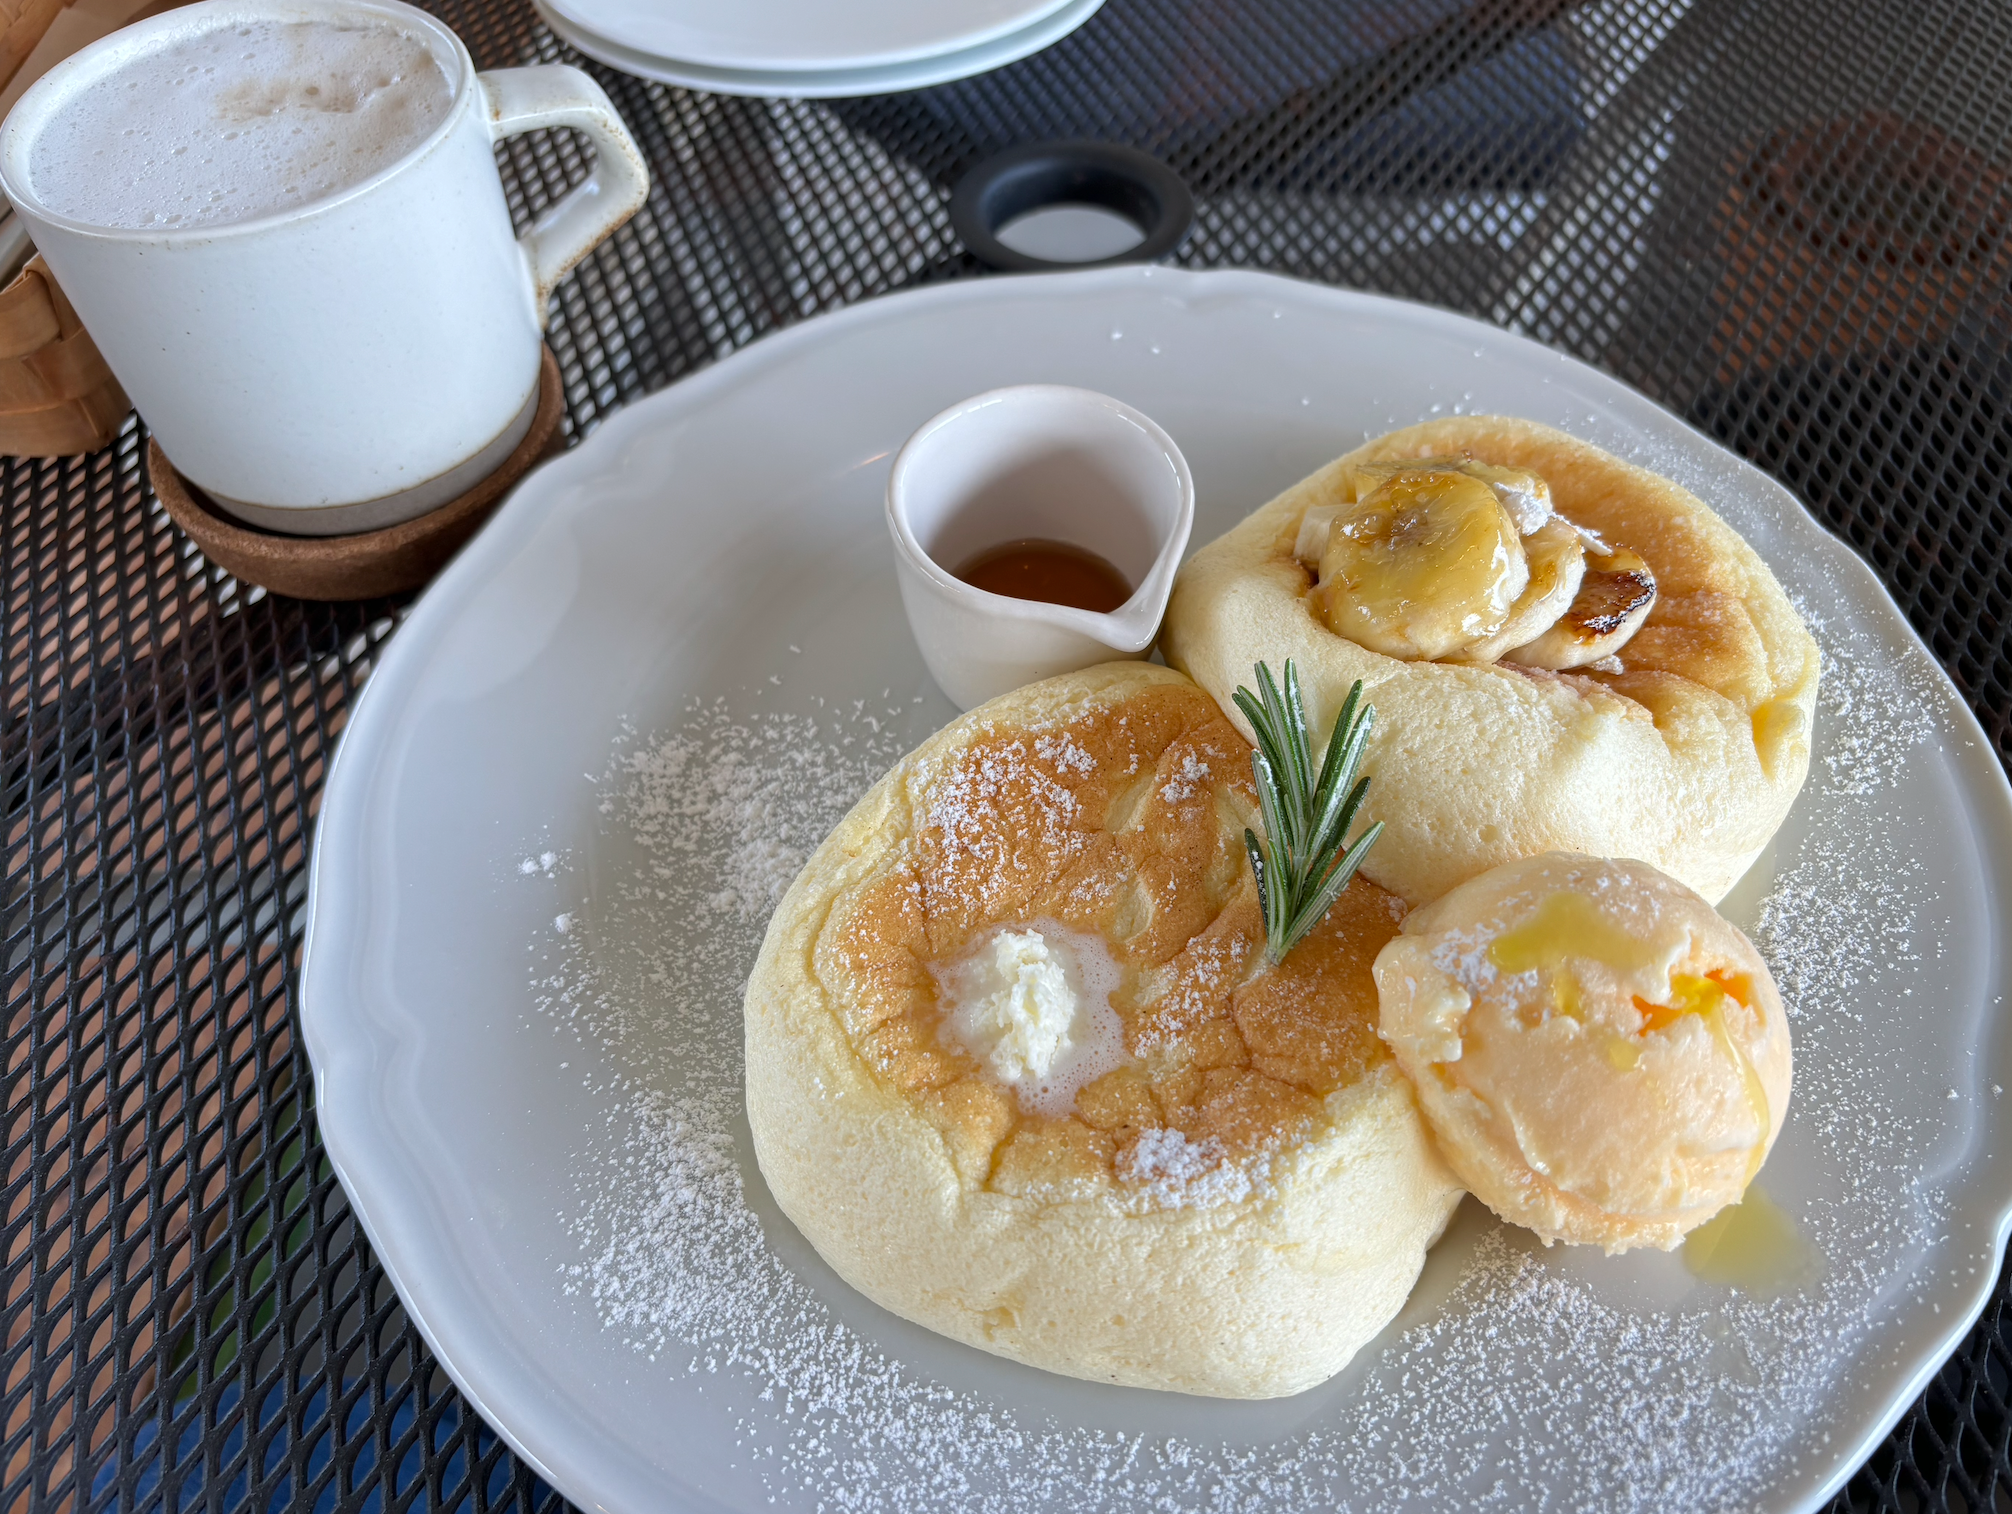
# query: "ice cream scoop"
1600, 1056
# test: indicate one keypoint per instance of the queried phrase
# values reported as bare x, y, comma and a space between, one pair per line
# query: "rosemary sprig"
1305, 868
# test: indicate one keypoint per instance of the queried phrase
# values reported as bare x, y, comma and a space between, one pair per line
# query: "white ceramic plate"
522, 974
803, 36
822, 84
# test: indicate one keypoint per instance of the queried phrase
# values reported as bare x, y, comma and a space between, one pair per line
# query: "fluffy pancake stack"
1237, 1207
1687, 755
1238, 1190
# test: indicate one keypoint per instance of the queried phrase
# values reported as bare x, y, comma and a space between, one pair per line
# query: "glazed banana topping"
1615, 594
1556, 553
1600, 1056
1523, 494
1426, 563
1453, 559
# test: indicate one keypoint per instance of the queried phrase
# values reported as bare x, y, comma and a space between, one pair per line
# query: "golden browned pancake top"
1126, 821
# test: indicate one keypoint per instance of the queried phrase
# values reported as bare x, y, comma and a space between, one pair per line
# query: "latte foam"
237, 123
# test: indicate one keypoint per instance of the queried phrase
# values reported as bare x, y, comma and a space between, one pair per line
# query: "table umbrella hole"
1071, 204
1071, 233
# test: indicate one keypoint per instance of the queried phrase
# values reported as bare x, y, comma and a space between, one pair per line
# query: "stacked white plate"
808, 48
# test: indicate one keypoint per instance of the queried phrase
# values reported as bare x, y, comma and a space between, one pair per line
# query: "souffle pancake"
1019, 1068
1566, 652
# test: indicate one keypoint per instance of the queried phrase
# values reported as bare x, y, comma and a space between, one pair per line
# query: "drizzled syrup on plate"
1051, 572
1753, 1246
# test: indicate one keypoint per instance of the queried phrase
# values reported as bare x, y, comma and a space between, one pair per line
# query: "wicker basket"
22, 23
56, 394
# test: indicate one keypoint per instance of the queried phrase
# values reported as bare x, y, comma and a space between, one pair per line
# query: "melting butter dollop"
1449, 558
1033, 1004
1013, 1004
1601, 1057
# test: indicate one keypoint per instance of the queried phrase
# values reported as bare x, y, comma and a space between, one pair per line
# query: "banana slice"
1310, 545
1614, 598
1557, 554
1428, 562
1522, 493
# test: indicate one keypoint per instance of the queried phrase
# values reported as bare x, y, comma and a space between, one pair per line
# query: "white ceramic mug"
1048, 462
363, 358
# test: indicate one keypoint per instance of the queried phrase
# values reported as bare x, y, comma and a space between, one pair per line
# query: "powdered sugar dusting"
962, 797
1521, 1377
1874, 712
1191, 775
754, 798
1172, 1172
1212, 964
1065, 754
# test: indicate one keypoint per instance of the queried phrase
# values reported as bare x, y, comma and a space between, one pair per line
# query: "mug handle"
557, 94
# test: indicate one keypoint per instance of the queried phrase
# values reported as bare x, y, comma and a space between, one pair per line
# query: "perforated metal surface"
1788, 223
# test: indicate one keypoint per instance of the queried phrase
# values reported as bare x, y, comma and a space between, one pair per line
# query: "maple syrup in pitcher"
1050, 572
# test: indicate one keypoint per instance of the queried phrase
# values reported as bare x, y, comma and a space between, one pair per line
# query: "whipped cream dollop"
1032, 1002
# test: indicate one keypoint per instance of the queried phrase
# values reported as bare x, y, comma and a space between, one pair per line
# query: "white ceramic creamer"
1039, 461
335, 341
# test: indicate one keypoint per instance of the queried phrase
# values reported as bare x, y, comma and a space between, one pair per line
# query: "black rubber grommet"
1137, 185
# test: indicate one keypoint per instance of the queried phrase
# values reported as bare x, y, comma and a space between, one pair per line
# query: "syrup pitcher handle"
556, 94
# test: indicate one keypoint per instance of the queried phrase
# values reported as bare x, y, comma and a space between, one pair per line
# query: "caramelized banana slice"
1522, 493
1427, 563
1557, 554
1614, 598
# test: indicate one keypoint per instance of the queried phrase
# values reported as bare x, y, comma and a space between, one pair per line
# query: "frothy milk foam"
239, 122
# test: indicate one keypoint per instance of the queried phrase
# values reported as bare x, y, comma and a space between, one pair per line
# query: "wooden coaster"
370, 563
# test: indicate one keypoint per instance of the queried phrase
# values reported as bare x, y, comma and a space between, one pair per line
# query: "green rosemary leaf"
1331, 781
1344, 817
1323, 898
1304, 861
1302, 759
1256, 854
1275, 823
1335, 805
1283, 828
1335, 839
1247, 702
1278, 722
1276, 745
1261, 726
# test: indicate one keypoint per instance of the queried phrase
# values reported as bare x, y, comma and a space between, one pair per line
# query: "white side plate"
576, 23
488, 1077
803, 35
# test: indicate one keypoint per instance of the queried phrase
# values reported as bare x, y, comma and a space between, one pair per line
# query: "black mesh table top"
1789, 223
